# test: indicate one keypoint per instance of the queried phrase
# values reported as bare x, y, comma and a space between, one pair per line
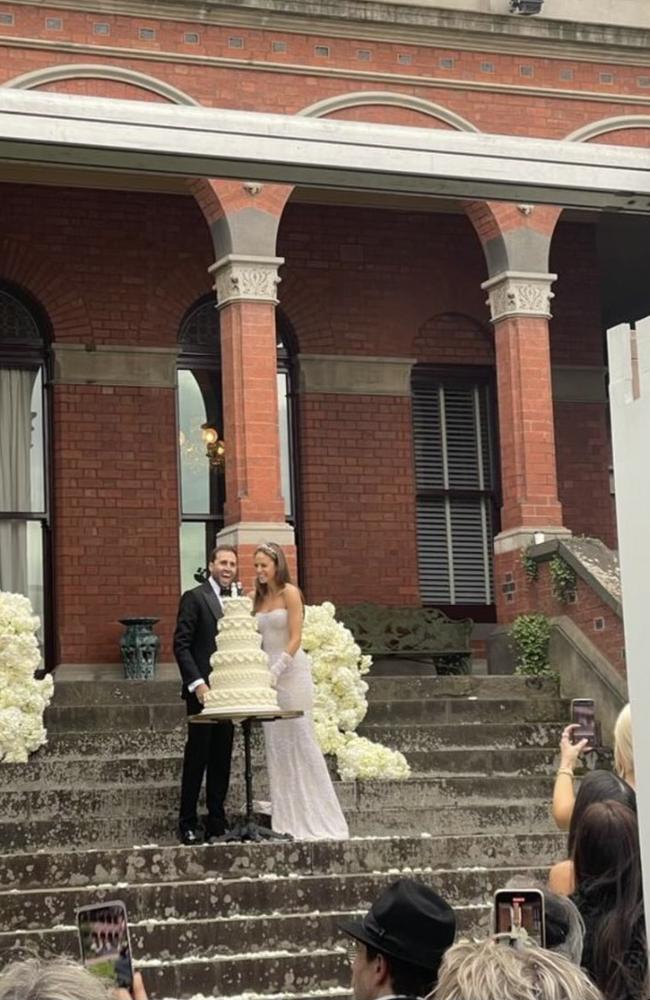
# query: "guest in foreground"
208, 747
609, 895
563, 793
399, 944
597, 786
60, 979
495, 970
303, 800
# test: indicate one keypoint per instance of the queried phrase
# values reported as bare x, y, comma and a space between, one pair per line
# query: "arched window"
24, 495
202, 483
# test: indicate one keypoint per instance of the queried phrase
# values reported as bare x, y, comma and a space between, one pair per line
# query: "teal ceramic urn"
139, 648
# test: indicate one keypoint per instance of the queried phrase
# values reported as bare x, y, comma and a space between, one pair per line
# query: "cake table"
249, 829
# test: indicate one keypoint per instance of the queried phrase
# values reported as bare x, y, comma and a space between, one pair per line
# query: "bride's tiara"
268, 550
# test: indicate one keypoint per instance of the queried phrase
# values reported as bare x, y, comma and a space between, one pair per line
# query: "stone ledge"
106, 364
591, 561
354, 375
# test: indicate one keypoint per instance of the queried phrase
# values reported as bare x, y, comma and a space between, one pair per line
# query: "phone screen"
104, 939
583, 715
520, 913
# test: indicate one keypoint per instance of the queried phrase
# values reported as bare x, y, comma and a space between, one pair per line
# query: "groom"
208, 747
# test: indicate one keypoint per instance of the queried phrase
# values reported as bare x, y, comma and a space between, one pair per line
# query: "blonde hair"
623, 750
56, 979
495, 970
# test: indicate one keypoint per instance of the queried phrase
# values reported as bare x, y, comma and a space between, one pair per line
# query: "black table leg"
249, 829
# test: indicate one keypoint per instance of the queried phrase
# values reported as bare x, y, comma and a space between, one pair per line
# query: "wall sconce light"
526, 6
215, 448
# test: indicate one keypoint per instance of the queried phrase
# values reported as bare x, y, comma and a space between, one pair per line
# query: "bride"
303, 800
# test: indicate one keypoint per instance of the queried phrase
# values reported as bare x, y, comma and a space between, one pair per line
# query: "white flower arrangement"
23, 699
340, 701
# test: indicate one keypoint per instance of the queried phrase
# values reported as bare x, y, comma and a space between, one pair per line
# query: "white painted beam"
194, 141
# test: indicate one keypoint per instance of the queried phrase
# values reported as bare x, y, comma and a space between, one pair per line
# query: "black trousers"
208, 749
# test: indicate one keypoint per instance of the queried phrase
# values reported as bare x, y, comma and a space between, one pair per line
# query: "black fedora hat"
410, 922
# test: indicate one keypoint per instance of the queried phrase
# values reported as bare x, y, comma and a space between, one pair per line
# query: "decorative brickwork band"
242, 278
519, 293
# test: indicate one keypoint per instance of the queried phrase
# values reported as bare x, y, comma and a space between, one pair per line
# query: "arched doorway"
200, 406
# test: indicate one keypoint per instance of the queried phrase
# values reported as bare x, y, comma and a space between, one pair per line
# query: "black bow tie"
226, 591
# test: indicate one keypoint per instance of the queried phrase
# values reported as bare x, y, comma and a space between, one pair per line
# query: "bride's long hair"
282, 574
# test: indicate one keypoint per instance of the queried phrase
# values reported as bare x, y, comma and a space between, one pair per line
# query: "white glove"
279, 666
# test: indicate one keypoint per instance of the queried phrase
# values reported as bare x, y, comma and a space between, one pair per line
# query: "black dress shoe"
190, 837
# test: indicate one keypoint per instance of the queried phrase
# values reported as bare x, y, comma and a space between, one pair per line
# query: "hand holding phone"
583, 719
137, 991
519, 914
105, 944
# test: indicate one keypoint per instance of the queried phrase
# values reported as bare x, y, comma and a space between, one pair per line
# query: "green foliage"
531, 635
563, 580
531, 566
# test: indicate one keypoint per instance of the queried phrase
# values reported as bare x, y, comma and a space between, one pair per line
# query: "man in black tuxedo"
208, 747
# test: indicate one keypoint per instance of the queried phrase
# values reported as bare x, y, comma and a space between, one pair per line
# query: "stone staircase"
262, 919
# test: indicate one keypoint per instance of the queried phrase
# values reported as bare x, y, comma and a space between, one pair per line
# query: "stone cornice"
330, 72
408, 24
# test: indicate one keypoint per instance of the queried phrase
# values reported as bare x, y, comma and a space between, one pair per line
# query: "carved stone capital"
244, 278
519, 293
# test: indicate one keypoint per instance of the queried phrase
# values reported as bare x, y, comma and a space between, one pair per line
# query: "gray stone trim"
388, 98
519, 293
99, 71
591, 560
246, 278
522, 538
414, 23
579, 384
605, 125
354, 376
394, 79
148, 367
67, 673
254, 532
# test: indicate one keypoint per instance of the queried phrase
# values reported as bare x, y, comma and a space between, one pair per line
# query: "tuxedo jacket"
194, 637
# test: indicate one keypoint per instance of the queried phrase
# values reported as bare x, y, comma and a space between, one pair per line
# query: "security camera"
526, 6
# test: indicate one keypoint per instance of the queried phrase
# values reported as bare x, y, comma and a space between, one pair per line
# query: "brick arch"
332, 106
48, 77
453, 338
65, 310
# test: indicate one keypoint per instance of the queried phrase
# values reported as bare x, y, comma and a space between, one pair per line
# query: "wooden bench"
410, 633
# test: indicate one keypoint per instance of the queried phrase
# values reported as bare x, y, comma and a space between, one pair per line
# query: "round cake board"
232, 715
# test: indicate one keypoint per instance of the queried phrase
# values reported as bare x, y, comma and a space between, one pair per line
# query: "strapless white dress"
303, 800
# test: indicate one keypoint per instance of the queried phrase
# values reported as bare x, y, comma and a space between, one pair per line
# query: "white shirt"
217, 589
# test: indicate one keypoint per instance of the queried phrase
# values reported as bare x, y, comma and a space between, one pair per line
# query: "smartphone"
583, 715
520, 913
104, 941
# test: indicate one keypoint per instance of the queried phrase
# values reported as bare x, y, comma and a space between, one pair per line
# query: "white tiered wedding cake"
241, 679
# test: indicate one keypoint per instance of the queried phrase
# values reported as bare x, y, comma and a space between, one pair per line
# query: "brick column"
246, 289
519, 304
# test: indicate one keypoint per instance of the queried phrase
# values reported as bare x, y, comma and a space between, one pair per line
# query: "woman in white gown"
303, 800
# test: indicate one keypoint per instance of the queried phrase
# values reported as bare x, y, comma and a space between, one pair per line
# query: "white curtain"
15, 494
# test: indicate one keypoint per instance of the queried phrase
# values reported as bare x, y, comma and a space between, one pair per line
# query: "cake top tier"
237, 607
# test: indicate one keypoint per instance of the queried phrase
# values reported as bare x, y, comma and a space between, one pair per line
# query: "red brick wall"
110, 268
115, 516
517, 595
358, 503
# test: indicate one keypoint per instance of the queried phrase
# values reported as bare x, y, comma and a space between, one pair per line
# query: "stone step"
99, 800
469, 709
121, 828
380, 688
72, 867
113, 717
38, 909
502, 735
42, 772
386, 688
